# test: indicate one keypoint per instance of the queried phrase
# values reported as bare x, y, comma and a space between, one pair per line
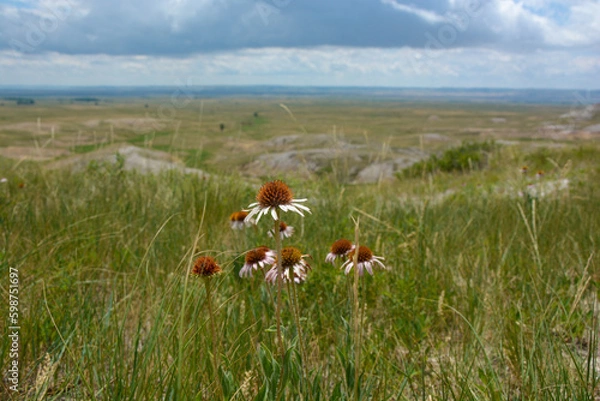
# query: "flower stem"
279, 287
213, 336
296, 310
356, 312
278, 304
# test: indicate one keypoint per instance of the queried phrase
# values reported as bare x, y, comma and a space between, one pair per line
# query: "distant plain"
491, 291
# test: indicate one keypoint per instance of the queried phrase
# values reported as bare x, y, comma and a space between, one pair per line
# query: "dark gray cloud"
183, 27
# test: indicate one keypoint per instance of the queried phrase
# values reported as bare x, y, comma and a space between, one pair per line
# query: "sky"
395, 43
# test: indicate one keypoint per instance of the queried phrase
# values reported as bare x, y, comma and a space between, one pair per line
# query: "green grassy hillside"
491, 291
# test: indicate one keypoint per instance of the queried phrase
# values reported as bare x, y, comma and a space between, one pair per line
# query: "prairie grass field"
490, 291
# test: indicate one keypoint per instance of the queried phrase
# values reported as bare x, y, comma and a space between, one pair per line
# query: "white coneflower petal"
296, 210
339, 249
378, 259
296, 205
285, 231
288, 232
300, 275
272, 196
255, 259
366, 260
348, 267
292, 263
252, 213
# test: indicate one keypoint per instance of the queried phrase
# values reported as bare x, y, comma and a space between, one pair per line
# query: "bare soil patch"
30, 153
